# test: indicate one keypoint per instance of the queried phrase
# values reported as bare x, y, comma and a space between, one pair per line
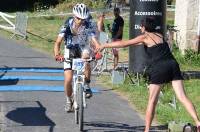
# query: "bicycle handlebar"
172, 28
85, 60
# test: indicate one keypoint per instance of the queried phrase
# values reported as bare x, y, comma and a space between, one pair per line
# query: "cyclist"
117, 33
78, 33
163, 68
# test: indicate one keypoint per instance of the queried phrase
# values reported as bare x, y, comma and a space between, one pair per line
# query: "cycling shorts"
72, 53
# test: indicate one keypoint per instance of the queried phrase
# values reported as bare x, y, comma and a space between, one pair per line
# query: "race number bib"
77, 64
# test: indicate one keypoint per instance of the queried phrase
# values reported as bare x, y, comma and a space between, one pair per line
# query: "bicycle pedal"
76, 108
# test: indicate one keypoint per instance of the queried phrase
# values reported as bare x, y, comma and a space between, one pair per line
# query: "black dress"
162, 66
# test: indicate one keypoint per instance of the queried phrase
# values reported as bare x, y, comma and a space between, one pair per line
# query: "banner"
139, 10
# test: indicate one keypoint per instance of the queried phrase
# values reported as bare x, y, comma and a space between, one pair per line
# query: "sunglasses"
79, 19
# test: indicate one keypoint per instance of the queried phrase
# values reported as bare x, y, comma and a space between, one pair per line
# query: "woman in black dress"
163, 68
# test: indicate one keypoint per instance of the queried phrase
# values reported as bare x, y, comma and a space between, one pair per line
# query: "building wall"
186, 20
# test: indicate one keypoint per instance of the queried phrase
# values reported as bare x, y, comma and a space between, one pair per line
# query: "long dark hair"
149, 23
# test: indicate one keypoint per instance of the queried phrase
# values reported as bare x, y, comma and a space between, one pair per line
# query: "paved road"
29, 103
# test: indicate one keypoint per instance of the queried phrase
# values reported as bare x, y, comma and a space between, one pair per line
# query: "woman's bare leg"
154, 91
180, 93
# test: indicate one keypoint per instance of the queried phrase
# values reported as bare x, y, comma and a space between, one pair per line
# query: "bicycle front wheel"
81, 108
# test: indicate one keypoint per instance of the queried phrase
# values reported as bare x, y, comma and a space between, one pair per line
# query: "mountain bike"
79, 98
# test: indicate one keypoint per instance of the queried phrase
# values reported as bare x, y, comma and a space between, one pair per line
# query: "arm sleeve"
62, 31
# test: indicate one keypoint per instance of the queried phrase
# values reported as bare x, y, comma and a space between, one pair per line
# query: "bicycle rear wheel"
81, 108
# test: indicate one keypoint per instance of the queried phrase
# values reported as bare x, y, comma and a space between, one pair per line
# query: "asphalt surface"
42, 110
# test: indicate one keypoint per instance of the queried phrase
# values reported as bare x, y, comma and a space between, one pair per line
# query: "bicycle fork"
78, 80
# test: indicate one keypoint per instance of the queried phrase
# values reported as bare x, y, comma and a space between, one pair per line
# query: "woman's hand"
97, 48
101, 48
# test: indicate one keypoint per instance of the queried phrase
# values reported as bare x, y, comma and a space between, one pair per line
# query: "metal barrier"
20, 26
6, 18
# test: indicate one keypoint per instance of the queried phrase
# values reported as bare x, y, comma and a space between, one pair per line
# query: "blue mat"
47, 78
45, 70
37, 88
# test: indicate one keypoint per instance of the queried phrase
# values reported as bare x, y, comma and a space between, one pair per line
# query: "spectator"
117, 33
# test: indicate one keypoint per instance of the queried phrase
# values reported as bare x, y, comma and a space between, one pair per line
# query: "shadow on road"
8, 82
31, 116
119, 127
5, 69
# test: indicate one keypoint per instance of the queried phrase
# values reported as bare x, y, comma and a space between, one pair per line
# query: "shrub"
67, 5
192, 57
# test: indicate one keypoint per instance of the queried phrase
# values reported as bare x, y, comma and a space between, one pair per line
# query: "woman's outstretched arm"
124, 43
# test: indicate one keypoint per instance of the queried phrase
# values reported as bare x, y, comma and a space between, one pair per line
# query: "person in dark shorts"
117, 33
163, 68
